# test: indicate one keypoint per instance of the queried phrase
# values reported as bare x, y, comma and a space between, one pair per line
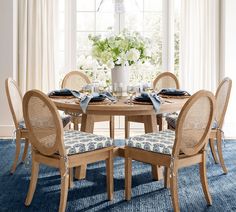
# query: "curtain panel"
36, 44
199, 49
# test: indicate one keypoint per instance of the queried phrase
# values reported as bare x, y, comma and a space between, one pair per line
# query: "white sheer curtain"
199, 49
229, 61
36, 44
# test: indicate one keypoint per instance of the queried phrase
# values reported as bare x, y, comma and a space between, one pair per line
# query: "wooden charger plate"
141, 103
103, 102
61, 97
173, 97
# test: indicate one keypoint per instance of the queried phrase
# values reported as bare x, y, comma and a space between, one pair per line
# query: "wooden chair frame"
17, 115
216, 134
56, 156
76, 119
159, 116
180, 157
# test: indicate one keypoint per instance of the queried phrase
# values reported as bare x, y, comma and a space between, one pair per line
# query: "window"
152, 18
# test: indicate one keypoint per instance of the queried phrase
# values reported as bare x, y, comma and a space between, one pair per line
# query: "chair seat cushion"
161, 142
65, 120
172, 121
79, 142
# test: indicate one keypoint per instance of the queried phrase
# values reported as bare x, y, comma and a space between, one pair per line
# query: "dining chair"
76, 80
176, 149
222, 99
14, 97
53, 146
163, 80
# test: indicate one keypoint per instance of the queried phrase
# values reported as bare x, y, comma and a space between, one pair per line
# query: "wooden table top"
121, 107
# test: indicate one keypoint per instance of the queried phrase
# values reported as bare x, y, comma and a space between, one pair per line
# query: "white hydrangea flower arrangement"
125, 49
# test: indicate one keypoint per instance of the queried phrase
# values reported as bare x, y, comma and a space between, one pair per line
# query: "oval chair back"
222, 100
45, 128
14, 98
165, 80
194, 123
75, 80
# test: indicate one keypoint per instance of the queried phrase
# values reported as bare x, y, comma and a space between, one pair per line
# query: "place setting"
88, 95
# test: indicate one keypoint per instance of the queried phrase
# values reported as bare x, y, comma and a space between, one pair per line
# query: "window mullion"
73, 33
168, 36
70, 34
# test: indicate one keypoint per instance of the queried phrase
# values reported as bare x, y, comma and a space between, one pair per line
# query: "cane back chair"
14, 98
163, 80
222, 98
176, 149
76, 80
53, 146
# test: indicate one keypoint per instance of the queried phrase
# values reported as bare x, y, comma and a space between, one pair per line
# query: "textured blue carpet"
90, 194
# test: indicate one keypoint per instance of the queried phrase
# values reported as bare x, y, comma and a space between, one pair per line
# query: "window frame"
71, 33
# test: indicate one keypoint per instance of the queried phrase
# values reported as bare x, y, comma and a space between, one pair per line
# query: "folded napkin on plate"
64, 92
94, 97
173, 92
153, 97
84, 99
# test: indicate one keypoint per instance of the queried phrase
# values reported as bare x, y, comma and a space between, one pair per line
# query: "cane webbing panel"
42, 122
195, 123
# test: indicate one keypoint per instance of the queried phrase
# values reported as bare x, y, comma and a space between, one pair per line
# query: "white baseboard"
6, 130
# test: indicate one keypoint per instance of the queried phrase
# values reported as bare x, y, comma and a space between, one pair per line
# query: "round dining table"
119, 108
122, 107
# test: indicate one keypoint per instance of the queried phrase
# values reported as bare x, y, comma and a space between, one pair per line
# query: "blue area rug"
90, 194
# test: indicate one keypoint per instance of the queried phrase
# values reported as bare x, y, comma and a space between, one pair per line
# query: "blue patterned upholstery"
79, 142
22, 125
65, 120
161, 142
172, 121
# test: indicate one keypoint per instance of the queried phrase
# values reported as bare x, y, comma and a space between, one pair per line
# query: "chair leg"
127, 127
64, 191
109, 170
75, 122
112, 127
80, 172
213, 151
157, 173
160, 122
71, 177
128, 177
25, 150
33, 181
203, 177
167, 177
174, 191
220, 153
17, 154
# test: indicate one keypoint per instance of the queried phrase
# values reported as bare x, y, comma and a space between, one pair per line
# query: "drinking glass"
131, 93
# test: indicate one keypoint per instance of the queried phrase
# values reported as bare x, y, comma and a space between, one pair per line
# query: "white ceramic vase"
120, 78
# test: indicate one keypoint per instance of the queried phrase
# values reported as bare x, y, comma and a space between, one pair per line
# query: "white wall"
7, 58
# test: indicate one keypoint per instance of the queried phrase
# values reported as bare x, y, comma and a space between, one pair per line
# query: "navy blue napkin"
173, 92
64, 92
152, 97
94, 97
